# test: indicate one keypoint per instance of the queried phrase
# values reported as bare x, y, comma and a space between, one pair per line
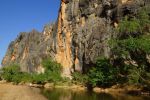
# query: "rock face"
79, 36
28, 50
23, 50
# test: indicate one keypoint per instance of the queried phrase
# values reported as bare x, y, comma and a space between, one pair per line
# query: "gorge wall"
79, 36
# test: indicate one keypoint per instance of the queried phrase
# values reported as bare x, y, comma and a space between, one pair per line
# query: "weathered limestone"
79, 36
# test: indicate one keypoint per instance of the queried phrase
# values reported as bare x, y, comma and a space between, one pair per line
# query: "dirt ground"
13, 92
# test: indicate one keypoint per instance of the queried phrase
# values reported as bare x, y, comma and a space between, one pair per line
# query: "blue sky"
22, 16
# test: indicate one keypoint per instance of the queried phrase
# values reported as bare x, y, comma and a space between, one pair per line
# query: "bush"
52, 70
103, 74
38, 78
52, 73
17, 78
79, 78
54, 77
135, 26
134, 76
133, 47
129, 26
51, 65
144, 18
26, 77
10, 73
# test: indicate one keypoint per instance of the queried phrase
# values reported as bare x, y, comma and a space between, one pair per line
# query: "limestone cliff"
84, 28
79, 36
28, 50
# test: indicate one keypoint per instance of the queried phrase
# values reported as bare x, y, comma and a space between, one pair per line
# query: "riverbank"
31, 90
116, 89
17, 92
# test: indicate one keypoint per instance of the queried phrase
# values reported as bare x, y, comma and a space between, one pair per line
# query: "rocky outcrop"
84, 28
23, 50
27, 51
79, 36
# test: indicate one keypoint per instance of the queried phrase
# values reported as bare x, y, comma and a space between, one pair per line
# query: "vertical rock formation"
84, 28
79, 36
23, 51
63, 40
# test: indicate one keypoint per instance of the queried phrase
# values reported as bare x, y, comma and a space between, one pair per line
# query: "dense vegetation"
130, 51
129, 62
12, 73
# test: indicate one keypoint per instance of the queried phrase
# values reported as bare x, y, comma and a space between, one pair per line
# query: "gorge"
77, 38
99, 45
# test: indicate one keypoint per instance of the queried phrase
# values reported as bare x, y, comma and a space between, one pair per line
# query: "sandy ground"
13, 92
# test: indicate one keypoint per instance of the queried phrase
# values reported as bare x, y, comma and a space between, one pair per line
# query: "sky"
22, 16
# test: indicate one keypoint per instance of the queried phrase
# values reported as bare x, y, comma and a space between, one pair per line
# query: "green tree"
103, 74
10, 71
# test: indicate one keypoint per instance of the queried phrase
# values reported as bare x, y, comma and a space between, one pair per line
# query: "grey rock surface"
79, 36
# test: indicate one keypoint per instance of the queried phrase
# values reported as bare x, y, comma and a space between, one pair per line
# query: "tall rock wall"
23, 51
79, 36
28, 50
84, 28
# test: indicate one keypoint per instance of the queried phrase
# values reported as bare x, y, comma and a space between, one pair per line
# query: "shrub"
125, 47
103, 74
96, 77
79, 78
26, 77
38, 78
52, 70
133, 47
134, 76
135, 26
144, 18
51, 65
17, 78
10, 71
129, 26
54, 77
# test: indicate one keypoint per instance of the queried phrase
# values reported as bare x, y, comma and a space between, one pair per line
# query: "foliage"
133, 48
51, 65
103, 74
106, 74
136, 25
134, 75
26, 77
38, 78
79, 78
52, 70
12, 73
126, 46
129, 26
144, 18
54, 77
